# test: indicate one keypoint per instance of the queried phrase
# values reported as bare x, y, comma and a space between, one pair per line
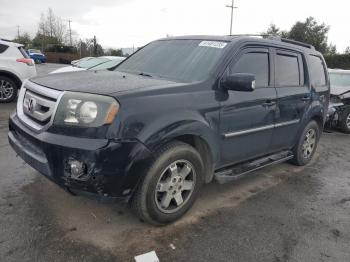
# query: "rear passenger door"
293, 97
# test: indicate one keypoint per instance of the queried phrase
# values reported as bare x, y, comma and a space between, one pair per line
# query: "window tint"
317, 71
287, 70
23, 52
178, 60
254, 63
3, 48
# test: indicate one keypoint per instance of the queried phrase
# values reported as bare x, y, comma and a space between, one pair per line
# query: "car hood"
339, 90
98, 82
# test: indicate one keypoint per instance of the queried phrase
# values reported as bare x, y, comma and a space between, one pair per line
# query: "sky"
127, 23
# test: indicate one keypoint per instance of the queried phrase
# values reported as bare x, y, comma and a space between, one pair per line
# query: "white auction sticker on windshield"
214, 44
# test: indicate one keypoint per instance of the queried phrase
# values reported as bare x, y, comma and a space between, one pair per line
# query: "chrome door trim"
248, 131
287, 123
262, 128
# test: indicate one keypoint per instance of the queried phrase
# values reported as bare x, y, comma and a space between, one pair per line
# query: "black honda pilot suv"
178, 113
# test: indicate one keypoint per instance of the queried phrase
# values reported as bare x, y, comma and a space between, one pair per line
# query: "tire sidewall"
311, 125
15, 89
181, 152
343, 119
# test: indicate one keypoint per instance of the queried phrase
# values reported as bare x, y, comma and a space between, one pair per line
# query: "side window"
3, 48
287, 71
317, 71
254, 63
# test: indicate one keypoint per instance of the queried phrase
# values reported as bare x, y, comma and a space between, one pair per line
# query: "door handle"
306, 98
269, 103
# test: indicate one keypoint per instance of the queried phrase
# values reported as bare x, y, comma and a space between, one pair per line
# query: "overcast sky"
124, 23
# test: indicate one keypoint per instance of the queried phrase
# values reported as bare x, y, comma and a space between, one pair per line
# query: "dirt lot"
282, 213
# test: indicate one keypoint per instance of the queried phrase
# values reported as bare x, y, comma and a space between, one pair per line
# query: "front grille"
37, 105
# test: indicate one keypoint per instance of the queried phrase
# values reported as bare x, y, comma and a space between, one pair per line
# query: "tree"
23, 39
273, 30
312, 33
309, 32
347, 50
51, 30
115, 52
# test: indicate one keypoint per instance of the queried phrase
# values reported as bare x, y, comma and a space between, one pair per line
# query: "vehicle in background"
180, 112
88, 64
80, 60
339, 107
109, 64
15, 67
37, 56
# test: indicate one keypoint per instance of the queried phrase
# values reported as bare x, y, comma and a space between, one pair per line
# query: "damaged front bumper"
94, 167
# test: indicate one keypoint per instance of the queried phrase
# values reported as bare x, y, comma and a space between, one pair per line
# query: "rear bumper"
113, 168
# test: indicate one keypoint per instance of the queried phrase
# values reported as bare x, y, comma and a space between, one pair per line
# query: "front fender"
167, 128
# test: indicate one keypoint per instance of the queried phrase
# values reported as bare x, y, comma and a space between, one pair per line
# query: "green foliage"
309, 32
116, 52
341, 61
275, 31
347, 50
313, 33
23, 39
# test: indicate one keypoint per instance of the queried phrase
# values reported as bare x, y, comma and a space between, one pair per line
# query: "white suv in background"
15, 67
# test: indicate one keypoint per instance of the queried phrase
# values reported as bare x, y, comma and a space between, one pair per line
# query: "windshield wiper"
145, 74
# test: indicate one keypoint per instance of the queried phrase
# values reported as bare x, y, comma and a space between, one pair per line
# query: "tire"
172, 161
344, 121
8, 90
304, 150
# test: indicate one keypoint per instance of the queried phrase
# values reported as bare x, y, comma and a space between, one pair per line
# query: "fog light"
77, 169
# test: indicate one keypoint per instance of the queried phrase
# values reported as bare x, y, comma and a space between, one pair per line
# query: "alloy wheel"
309, 143
175, 186
6, 90
348, 121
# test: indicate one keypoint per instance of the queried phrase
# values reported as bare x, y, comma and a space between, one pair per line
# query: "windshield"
338, 79
34, 51
91, 62
109, 64
178, 60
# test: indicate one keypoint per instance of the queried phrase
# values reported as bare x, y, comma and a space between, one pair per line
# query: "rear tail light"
27, 61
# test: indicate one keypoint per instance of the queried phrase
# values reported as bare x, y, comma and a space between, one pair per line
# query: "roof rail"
6, 40
289, 41
278, 38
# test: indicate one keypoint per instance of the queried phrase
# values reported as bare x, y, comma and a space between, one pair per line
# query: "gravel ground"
282, 213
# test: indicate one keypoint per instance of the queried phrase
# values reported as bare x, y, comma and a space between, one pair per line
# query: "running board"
240, 170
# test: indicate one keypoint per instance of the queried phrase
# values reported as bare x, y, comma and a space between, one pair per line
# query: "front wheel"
171, 184
8, 90
306, 146
344, 121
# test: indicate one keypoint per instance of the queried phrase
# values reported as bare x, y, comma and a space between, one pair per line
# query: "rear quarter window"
317, 71
23, 52
3, 48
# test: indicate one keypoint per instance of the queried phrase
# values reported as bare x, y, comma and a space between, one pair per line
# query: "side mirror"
239, 82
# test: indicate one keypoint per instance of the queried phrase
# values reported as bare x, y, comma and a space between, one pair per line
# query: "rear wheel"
170, 186
8, 90
305, 149
344, 122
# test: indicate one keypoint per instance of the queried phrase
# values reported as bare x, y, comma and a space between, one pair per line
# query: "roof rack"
278, 38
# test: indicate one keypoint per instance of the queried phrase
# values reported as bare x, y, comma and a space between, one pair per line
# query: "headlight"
85, 110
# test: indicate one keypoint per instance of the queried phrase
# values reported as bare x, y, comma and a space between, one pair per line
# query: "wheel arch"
196, 134
12, 76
